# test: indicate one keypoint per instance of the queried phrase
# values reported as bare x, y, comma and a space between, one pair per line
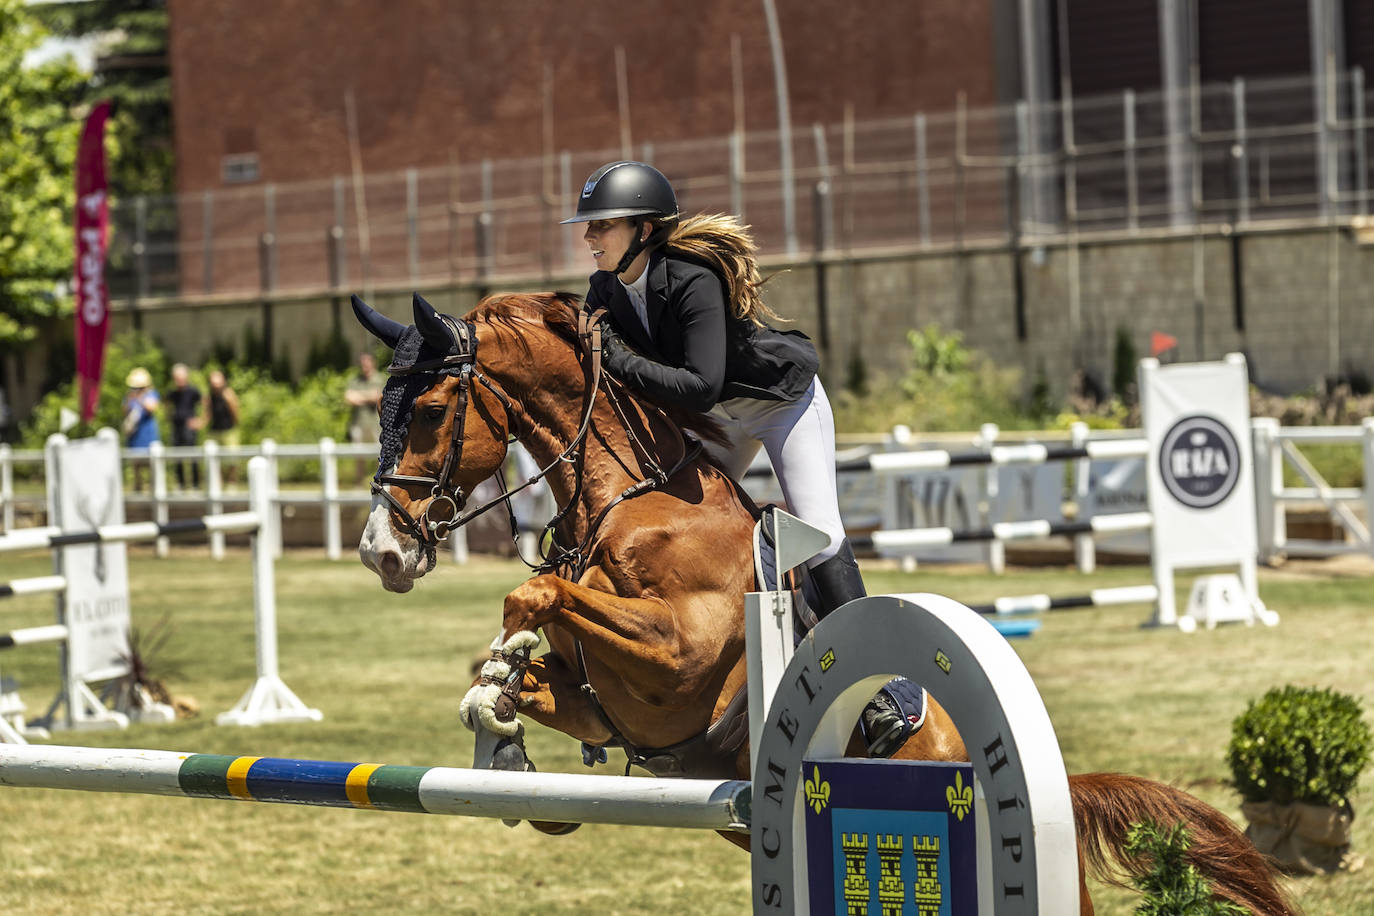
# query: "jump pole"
701, 804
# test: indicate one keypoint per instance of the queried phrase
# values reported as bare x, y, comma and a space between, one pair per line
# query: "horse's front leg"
651, 644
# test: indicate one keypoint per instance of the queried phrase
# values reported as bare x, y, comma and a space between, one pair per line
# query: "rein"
570, 562
430, 531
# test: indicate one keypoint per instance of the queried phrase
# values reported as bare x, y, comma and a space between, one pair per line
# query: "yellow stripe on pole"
236, 778
356, 784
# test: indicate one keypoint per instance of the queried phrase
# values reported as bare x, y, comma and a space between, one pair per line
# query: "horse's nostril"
390, 564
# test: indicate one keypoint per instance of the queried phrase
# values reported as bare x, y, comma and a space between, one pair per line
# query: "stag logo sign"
1199, 461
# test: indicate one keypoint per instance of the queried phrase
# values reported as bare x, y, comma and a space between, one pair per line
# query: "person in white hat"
140, 414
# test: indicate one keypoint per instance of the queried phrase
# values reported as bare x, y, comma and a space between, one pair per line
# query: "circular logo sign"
1199, 461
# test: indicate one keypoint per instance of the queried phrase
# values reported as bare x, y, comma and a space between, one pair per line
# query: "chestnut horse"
642, 599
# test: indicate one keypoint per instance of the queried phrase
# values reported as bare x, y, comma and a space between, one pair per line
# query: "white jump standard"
91, 586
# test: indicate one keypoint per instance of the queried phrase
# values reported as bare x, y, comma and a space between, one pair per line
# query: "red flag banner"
1161, 343
92, 233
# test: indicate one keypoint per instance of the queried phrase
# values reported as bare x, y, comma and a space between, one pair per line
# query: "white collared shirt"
638, 292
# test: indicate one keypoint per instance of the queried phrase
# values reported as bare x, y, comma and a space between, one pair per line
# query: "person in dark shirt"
686, 325
183, 404
220, 419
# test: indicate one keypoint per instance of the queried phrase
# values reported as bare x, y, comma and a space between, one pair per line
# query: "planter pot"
1304, 839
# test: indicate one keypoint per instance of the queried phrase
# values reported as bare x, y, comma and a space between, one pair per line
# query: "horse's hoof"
510, 756
554, 828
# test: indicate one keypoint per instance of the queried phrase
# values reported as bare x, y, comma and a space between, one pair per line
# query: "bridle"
569, 562
430, 531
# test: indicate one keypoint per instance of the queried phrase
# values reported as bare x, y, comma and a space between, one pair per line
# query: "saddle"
712, 754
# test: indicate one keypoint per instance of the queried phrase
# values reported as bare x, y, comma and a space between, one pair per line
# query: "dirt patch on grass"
1347, 566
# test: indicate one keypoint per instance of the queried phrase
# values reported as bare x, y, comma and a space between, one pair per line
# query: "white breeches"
799, 437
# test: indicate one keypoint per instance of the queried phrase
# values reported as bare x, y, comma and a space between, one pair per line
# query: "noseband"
462, 362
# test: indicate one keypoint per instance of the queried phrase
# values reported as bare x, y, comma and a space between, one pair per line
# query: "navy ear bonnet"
435, 346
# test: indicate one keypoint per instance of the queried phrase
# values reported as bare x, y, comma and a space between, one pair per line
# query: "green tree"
132, 70
38, 137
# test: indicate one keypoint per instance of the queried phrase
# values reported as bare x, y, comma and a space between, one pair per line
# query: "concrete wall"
1295, 331
1305, 314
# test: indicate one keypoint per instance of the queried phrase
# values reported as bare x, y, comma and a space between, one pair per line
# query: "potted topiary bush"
1296, 755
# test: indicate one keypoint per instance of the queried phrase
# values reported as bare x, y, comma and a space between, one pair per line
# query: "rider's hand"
614, 350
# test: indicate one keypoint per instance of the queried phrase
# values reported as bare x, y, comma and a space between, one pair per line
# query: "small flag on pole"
1160, 343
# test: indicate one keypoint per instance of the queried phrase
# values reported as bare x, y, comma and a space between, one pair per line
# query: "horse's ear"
377, 324
432, 327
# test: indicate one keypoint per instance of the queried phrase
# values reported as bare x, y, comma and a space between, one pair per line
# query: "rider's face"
608, 240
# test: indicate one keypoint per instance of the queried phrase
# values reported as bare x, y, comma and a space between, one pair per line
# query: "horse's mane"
558, 312
724, 245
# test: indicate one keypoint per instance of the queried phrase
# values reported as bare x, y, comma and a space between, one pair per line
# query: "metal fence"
1240, 153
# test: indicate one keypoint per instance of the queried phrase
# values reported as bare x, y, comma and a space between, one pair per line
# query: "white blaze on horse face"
397, 562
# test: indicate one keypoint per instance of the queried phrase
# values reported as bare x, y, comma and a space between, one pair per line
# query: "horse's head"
445, 428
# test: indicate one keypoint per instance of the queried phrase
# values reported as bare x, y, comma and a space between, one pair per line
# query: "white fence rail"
887, 483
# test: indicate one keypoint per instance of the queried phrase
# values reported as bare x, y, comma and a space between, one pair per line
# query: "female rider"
686, 326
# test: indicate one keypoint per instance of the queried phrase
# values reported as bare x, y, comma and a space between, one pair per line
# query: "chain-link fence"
1240, 153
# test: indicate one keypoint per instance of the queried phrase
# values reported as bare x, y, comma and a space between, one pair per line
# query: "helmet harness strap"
640, 242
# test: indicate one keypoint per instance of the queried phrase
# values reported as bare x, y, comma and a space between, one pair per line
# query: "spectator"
220, 419
363, 395
140, 416
184, 403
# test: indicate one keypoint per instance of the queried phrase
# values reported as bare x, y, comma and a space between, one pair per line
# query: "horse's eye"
434, 412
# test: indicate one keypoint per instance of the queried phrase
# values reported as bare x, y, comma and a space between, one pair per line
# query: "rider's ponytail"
728, 248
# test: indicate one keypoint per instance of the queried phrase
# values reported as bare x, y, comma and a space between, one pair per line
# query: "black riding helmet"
629, 189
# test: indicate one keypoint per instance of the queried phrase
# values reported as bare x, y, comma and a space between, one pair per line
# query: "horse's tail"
1106, 805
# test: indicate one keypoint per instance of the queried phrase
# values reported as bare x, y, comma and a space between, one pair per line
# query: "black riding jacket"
697, 353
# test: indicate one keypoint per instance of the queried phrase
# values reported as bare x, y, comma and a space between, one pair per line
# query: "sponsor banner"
92, 234
97, 598
1201, 477
1118, 486
1026, 492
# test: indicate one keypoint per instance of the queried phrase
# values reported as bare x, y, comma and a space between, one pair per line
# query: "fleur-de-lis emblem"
959, 796
817, 791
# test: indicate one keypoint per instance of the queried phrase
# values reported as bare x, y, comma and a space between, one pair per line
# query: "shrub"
1299, 745
1171, 886
268, 408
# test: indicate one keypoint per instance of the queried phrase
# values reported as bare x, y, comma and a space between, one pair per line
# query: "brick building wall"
438, 81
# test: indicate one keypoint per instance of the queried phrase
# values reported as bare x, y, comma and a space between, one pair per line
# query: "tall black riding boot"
837, 580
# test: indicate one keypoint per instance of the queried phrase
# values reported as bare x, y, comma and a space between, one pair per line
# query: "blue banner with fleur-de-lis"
890, 837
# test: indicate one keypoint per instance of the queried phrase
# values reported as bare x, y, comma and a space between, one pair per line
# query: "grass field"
388, 671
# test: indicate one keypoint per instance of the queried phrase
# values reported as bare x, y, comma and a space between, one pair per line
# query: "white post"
1367, 425
214, 496
157, 463
1084, 547
1272, 525
329, 474
260, 492
997, 549
892, 518
269, 699
272, 520
458, 544
6, 488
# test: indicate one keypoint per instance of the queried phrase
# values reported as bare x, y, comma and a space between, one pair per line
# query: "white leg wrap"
480, 704
524, 639
495, 668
